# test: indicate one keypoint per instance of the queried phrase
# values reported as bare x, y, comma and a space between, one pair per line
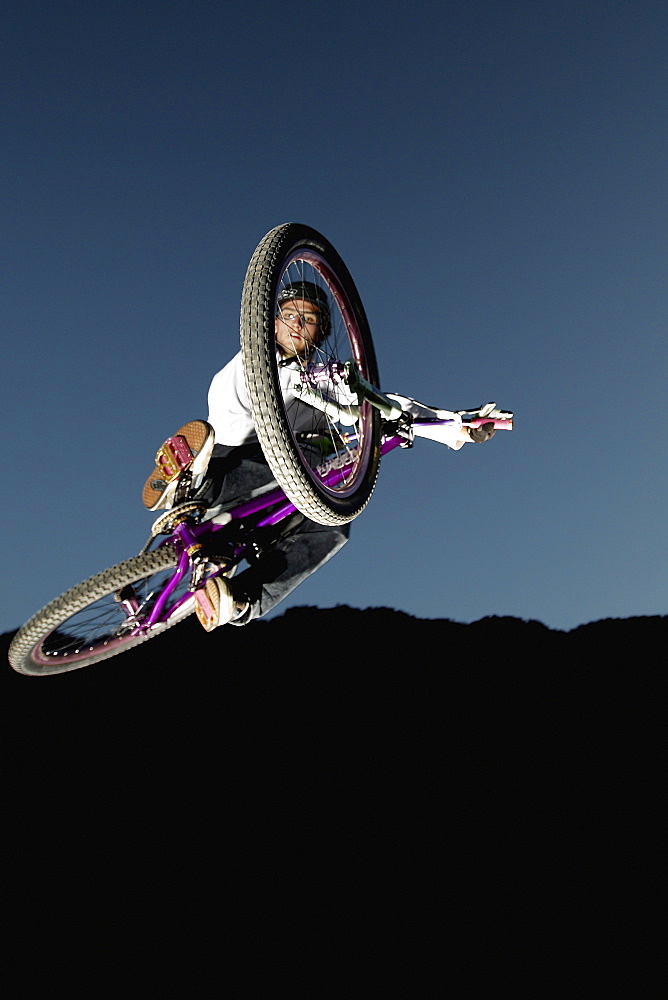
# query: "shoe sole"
214, 604
189, 450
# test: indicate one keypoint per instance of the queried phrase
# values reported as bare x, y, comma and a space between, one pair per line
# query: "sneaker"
242, 614
186, 452
214, 603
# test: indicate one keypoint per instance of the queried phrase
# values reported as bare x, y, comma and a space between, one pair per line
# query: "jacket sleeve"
229, 408
443, 426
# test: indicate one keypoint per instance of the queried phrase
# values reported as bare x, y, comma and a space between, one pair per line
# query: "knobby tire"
285, 248
27, 651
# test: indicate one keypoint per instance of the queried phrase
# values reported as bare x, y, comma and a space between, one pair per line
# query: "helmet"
310, 292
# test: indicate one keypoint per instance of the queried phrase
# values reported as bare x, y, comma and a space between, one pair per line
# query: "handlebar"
486, 414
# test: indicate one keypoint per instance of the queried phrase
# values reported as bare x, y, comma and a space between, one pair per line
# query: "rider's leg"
233, 474
285, 566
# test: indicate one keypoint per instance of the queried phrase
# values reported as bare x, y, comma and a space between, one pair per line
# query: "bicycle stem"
357, 383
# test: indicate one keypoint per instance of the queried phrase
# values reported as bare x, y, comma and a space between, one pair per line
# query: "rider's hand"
483, 433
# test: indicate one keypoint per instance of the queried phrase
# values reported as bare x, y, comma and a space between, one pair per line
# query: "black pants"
233, 474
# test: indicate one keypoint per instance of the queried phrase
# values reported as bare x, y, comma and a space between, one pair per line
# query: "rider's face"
296, 333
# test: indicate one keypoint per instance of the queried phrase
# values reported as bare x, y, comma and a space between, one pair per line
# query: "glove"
482, 434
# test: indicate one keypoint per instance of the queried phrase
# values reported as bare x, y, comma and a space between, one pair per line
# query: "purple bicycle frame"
185, 536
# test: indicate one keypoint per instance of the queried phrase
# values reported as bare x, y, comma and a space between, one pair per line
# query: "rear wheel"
91, 622
325, 452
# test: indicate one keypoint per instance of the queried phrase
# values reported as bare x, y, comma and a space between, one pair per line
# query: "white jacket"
230, 413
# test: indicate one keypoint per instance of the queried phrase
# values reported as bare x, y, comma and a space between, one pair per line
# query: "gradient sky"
494, 175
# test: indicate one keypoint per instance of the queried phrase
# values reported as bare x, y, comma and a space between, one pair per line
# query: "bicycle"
325, 471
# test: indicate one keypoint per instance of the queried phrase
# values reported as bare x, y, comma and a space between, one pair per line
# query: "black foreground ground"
351, 775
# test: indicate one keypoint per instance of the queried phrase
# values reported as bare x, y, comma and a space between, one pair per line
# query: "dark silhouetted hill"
495, 772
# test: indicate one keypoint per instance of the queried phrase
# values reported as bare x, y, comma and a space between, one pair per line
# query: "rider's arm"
443, 426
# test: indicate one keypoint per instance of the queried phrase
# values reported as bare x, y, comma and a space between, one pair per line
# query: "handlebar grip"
500, 423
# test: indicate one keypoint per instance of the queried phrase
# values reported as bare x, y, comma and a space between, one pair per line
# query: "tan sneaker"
214, 603
189, 450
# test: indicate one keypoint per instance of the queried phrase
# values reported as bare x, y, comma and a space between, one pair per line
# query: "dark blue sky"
494, 174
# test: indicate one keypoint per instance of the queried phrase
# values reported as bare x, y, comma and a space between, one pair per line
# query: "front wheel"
322, 446
90, 622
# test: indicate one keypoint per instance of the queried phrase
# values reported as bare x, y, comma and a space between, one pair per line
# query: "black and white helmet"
310, 292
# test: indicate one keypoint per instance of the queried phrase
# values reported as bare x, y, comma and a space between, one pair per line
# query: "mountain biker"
238, 468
